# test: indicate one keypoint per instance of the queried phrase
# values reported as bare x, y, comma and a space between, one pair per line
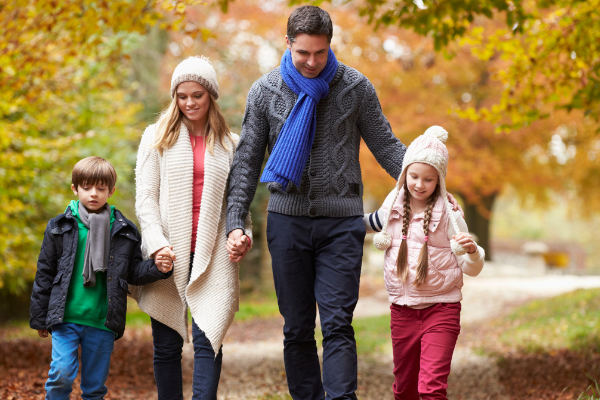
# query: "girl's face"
193, 101
421, 180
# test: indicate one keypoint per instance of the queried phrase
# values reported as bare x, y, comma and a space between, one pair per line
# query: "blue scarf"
290, 153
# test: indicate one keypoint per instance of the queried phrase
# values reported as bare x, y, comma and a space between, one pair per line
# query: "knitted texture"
331, 183
291, 151
164, 210
429, 148
196, 69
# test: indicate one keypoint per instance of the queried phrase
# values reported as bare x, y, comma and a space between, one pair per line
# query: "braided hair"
402, 260
422, 264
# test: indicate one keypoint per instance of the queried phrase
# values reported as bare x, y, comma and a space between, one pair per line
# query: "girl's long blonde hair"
169, 123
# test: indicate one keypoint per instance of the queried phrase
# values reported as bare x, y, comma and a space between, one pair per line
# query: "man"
311, 113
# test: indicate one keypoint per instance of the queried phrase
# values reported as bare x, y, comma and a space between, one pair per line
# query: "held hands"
164, 259
238, 245
43, 333
466, 241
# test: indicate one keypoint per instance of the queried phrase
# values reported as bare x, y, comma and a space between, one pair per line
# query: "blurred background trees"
515, 83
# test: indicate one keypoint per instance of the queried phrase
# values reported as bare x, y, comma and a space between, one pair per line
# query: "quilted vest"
444, 276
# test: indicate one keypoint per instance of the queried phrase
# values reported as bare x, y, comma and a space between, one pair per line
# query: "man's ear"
288, 43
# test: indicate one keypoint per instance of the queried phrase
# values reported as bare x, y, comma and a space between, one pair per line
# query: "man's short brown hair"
92, 171
311, 20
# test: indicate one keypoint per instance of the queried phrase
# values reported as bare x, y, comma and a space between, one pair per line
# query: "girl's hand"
42, 333
466, 241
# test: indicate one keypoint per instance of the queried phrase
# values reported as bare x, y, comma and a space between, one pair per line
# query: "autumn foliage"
72, 86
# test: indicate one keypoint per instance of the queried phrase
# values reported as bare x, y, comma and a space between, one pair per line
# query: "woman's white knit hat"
429, 149
196, 69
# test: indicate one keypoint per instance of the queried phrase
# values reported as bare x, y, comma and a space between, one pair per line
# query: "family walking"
195, 181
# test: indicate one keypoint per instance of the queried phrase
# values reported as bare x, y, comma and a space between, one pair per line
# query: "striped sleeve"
374, 221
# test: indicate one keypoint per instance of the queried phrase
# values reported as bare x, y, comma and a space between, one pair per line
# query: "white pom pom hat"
196, 69
429, 148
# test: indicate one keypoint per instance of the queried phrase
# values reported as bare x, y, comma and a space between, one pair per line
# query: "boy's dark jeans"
317, 261
168, 346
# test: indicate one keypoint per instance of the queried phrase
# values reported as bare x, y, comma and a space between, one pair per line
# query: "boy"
89, 255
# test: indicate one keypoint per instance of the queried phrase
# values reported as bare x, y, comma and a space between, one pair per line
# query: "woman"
181, 177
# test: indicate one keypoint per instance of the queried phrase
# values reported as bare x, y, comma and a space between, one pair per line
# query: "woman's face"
193, 101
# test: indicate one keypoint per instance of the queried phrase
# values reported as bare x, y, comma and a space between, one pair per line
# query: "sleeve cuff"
475, 257
153, 239
235, 221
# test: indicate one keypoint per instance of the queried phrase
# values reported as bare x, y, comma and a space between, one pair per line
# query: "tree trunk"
479, 224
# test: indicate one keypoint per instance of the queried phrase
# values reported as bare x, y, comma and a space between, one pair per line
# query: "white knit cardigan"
163, 204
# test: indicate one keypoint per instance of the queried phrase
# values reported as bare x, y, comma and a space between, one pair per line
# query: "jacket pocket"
432, 286
61, 229
124, 285
128, 235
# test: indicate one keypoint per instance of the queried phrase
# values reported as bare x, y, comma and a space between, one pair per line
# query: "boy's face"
93, 197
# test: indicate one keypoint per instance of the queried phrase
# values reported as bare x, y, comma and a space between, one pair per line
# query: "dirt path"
253, 362
253, 352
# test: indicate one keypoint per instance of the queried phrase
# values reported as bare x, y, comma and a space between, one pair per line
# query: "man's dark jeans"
317, 260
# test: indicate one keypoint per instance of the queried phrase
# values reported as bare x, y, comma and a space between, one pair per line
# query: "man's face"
309, 53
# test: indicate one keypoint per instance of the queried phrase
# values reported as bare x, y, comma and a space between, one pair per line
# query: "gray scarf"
98, 243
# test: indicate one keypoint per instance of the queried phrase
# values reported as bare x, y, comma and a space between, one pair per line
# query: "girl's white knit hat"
196, 69
429, 148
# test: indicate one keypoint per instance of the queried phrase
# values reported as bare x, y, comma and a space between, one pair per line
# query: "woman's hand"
164, 259
466, 241
42, 333
238, 245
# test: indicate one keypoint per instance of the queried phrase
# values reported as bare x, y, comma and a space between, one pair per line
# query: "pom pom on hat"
457, 249
196, 69
382, 240
438, 132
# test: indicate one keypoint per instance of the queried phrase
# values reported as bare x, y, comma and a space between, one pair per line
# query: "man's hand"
42, 333
238, 245
164, 259
455, 205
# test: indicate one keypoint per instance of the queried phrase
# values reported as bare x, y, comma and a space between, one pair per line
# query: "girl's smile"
421, 180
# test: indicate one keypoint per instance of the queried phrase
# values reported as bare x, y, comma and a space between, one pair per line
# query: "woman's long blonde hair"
169, 123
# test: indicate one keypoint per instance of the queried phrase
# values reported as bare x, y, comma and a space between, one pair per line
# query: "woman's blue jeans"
168, 346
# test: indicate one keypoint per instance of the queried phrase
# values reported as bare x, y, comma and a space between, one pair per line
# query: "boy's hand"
164, 258
238, 245
466, 241
42, 333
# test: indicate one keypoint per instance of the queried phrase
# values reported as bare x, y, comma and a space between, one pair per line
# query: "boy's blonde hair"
92, 171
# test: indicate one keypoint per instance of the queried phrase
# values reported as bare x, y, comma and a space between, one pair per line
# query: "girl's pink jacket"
445, 273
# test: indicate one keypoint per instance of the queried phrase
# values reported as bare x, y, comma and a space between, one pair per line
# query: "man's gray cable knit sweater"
331, 184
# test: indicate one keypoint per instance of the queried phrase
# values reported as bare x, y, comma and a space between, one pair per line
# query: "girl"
427, 251
181, 177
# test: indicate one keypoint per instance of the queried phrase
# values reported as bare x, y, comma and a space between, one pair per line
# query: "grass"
372, 335
594, 395
251, 308
255, 307
570, 321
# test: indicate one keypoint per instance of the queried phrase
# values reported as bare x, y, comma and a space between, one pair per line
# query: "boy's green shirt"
86, 305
